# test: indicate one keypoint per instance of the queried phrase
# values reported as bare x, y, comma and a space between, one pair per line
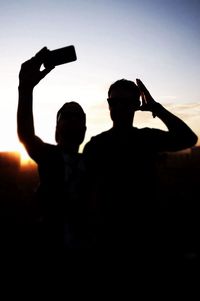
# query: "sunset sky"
157, 41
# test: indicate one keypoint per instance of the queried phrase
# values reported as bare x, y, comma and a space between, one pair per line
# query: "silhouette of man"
60, 166
122, 162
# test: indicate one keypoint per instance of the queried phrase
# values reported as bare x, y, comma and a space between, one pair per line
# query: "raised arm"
180, 134
29, 76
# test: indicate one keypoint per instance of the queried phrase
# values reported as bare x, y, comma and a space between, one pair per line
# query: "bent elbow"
194, 139
191, 140
187, 140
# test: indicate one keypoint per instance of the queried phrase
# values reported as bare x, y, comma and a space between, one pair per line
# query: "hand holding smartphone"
60, 56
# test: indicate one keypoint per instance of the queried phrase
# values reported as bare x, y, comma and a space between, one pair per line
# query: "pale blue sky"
155, 40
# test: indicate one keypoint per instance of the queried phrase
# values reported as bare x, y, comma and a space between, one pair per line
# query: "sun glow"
24, 157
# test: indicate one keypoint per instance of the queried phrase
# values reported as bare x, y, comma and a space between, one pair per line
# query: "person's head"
70, 126
123, 100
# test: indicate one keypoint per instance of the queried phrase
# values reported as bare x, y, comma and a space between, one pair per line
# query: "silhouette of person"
121, 164
60, 166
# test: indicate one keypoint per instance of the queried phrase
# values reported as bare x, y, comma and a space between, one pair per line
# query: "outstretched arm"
180, 134
29, 76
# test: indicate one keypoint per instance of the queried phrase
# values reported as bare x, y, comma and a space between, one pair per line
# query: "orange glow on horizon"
24, 157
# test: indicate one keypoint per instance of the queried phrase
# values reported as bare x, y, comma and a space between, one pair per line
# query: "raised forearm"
180, 134
175, 125
25, 123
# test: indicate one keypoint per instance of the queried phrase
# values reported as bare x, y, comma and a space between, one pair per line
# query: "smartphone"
60, 56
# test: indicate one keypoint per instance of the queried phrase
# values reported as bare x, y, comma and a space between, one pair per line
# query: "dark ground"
179, 175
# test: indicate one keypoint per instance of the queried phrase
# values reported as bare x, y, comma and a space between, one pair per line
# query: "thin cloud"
186, 110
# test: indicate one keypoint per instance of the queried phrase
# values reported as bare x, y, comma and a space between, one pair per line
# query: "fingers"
144, 92
44, 72
147, 100
30, 72
41, 51
26, 64
142, 87
41, 54
38, 58
36, 61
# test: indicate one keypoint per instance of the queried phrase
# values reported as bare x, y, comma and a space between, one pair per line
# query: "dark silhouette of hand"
30, 73
148, 103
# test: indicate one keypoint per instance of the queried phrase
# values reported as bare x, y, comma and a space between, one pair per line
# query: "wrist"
156, 109
25, 88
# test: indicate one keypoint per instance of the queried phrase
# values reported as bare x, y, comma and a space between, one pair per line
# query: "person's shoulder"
147, 134
101, 136
38, 149
51, 147
140, 131
148, 131
48, 151
97, 141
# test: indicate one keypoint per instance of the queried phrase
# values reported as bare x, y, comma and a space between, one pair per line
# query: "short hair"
125, 84
71, 107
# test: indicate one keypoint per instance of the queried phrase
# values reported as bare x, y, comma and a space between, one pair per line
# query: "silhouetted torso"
122, 169
60, 195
